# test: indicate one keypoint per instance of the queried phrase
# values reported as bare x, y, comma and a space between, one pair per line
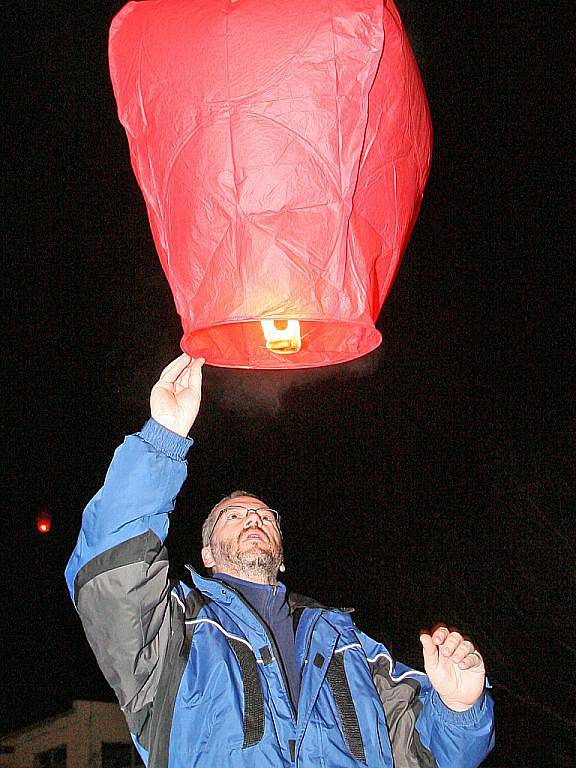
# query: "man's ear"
207, 558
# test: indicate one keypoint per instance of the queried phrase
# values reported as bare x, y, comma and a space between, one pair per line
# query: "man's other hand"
175, 398
454, 667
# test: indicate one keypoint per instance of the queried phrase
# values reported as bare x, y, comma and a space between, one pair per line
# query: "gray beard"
250, 566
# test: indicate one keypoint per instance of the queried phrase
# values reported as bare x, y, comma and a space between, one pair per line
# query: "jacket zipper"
272, 643
308, 644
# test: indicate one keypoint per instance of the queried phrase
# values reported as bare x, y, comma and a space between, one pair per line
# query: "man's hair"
208, 524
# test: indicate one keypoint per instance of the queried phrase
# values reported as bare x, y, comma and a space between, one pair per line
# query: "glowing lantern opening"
282, 149
282, 336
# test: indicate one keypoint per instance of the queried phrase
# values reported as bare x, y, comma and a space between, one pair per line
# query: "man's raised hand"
175, 398
454, 667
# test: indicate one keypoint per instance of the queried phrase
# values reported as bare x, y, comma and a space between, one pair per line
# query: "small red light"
44, 522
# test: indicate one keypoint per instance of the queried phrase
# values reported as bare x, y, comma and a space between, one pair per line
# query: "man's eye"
232, 516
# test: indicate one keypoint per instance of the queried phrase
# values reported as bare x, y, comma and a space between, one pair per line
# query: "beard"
256, 565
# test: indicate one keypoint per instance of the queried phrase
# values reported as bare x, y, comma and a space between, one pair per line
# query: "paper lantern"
282, 147
44, 522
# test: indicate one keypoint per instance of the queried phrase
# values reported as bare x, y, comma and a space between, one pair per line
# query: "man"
236, 671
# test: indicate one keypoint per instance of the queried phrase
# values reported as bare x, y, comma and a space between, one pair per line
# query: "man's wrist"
455, 706
469, 717
165, 440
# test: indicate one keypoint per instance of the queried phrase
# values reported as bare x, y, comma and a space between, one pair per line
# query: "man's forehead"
241, 501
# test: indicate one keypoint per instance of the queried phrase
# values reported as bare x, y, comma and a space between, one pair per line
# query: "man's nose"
252, 518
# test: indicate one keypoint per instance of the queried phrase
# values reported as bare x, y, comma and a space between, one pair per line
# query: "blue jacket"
198, 673
272, 604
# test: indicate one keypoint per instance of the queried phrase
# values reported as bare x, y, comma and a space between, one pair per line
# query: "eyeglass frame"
247, 509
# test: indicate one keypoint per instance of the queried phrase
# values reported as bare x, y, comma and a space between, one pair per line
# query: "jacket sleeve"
423, 730
118, 572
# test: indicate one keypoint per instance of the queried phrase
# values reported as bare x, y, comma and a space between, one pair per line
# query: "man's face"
245, 541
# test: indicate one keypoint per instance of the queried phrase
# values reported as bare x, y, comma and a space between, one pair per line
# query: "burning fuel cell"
282, 336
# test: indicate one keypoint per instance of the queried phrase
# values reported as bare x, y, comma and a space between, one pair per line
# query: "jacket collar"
214, 589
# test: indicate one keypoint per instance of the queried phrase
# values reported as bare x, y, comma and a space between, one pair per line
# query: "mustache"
251, 531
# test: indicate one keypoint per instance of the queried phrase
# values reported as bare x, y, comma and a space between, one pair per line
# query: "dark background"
432, 480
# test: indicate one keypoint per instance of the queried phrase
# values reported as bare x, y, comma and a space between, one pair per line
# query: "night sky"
432, 480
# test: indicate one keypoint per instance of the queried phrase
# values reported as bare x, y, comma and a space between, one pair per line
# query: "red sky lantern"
44, 522
282, 149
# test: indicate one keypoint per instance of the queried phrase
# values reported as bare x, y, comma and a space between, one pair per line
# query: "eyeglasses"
233, 513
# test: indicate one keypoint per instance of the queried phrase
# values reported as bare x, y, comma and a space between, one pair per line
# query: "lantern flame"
282, 336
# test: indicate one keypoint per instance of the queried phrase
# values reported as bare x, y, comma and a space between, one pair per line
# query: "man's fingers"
462, 650
196, 366
192, 372
181, 370
451, 643
174, 369
439, 635
428, 646
446, 643
471, 660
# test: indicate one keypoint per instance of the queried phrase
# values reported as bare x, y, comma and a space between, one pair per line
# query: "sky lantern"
44, 522
282, 149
